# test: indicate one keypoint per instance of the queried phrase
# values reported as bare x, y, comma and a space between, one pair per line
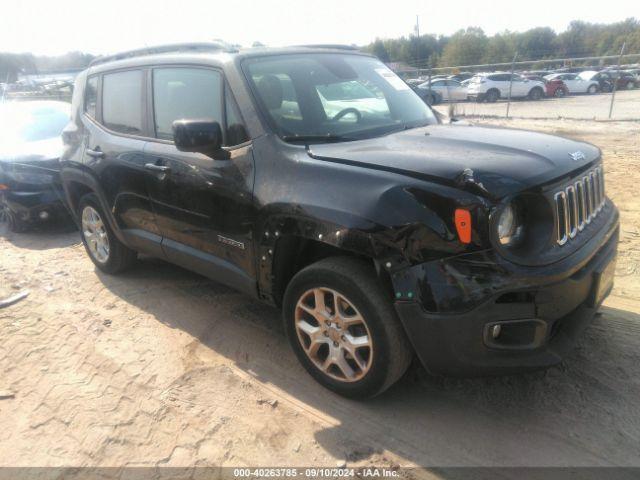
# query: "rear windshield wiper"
327, 137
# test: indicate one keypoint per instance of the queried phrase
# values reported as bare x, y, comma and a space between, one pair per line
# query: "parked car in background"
605, 83
30, 149
415, 81
539, 73
623, 79
430, 97
575, 83
462, 76
553, 88
449, 90
491, 87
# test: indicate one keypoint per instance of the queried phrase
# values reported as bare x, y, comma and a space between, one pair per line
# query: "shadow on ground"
44, 236
581, 413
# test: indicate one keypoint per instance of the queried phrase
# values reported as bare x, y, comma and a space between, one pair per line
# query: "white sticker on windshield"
394, 80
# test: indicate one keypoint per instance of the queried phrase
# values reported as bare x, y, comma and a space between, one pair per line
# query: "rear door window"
185, 93
122, 101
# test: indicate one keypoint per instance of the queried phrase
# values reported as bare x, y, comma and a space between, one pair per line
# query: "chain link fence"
616, 97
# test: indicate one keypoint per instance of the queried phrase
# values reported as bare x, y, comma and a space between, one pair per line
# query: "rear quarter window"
91, 96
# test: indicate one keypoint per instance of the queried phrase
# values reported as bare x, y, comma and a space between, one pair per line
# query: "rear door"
203, 205
116, 127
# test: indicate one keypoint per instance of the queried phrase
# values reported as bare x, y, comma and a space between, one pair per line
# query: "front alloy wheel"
95, 234
343, 328
333, 334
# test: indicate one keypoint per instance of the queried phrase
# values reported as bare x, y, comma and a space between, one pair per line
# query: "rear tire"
104, 249
323, 340
559, 93
592, 89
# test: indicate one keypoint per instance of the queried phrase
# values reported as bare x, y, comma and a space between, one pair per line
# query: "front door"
203, 206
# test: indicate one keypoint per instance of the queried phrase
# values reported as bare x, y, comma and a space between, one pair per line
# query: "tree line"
471, 46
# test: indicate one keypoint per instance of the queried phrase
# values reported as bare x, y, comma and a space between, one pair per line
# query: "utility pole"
615, 81
417, 32
513, 66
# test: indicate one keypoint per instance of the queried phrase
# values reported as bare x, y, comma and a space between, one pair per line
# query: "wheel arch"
289, 243
78, 183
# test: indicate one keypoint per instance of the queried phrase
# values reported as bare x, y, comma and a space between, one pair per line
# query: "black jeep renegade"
315, 179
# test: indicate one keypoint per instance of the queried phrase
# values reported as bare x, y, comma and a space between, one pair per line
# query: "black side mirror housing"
201, 136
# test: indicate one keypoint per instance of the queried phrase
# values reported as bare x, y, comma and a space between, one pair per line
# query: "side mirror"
201, 136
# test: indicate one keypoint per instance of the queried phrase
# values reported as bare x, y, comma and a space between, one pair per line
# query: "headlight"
509, 225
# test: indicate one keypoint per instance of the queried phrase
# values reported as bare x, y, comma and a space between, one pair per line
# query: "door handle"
157, 168
95, 153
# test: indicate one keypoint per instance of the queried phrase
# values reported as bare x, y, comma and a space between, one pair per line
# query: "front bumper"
541, 310
27, 205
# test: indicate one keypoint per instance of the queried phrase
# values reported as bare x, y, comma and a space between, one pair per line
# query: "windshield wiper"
327, 137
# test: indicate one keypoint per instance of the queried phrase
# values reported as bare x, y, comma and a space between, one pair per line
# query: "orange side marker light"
463, 225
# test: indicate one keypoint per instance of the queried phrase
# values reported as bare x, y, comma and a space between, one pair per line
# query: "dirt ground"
161, 367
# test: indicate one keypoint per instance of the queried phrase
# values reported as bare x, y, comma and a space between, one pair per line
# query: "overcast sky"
54, 27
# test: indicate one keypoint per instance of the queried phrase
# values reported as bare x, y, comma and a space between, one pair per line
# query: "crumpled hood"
45, 153
502, 160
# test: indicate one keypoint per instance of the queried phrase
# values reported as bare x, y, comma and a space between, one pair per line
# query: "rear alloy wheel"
592, 89
95, 234
343, 328
559, 93
105, 250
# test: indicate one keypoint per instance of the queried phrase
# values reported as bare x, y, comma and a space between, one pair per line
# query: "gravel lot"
626, 107
162, 367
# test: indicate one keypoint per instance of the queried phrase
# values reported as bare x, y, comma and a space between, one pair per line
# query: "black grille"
578, 204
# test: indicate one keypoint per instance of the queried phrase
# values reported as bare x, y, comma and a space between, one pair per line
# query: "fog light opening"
43, 215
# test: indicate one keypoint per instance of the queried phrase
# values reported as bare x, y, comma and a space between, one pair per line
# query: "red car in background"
554, 88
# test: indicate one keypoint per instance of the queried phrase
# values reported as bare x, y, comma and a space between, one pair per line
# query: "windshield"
334, 97
30, 122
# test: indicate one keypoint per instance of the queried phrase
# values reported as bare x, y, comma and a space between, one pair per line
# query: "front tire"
492, 96
14, 223
535, 94
343, 328
107, 252
559, 93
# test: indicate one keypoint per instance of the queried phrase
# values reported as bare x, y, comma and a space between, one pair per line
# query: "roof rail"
170, 48
333, 46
